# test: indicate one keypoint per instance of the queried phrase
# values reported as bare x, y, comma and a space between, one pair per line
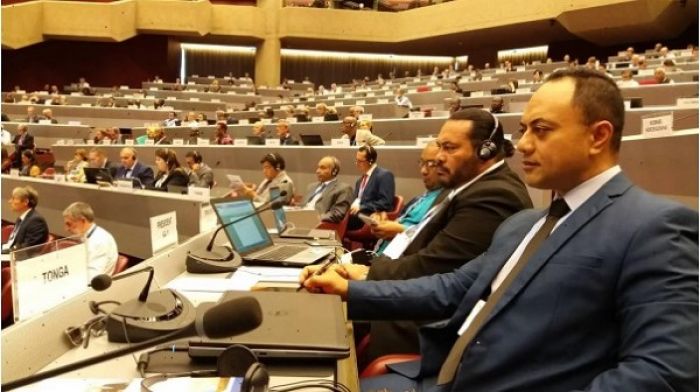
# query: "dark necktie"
11, 239
449, 367
318, 190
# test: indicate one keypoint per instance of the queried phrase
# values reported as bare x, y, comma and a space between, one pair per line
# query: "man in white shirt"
401, 98
600, 293
102, 254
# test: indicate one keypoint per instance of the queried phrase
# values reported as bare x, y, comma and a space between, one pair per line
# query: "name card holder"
316, 119
367, 116
423, 141
129, 142
691, 103
244, 121
272, 142
163, 231
266, 121
476, 94
240, 142
149, 142
657, 124
198, 193
202, 142
382, 100
416, 115
340, 142
178, 142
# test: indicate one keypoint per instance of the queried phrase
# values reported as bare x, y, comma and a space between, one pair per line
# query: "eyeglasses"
427, 164
81, 335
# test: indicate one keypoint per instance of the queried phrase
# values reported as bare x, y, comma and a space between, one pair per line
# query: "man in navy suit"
374, 190
284, 135
30, 227
131, 168
601, 294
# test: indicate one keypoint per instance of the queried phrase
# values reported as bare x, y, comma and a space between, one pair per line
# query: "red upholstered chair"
378, 366
6, 231
6, 293
363, 237
122, 264
339, 227
49, 245
422, 89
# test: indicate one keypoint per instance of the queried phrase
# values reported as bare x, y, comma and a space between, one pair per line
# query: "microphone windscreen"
101, 282
277, 204
283, 193
230, 318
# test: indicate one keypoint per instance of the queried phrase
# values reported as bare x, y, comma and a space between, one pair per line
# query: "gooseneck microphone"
103, 281
223, 259
226, 319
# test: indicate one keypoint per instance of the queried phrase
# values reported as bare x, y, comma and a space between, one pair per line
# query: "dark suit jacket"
289, 142
142, 172
27, 143
608, 302
113, 167
379, 191
33, 231
176, 177
330, 117
456, 235
334, 202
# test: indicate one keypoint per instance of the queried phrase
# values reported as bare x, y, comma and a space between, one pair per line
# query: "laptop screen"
280, 217
247, 235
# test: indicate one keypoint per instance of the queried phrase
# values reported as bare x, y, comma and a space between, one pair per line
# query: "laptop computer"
311, 140
251, 240
93, 175
295, 325
287, 230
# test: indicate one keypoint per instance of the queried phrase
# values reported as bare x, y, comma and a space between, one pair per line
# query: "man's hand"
387, 229
334, 280
354, 209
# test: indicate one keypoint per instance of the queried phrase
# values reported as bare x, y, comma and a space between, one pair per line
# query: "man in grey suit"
330, 197
599, 293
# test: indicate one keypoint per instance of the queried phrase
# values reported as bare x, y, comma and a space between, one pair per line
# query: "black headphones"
236, 361
336, 166
276, 161
370, 153
196, 157
488, 149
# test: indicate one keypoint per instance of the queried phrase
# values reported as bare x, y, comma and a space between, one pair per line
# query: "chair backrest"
398, 205
122, 264
340, 227
6, 292
6, 231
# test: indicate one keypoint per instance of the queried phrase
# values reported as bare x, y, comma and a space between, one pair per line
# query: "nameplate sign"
90, 142
423, 141
73, 122
475, 94
60, 142
382, 100
59, 177
129, 142
123, 87
163, 231
178, 142
292, 120
198, 193
317, 119
45, 122
240, 142
14, 172
645, 72
388, 93
370, 94
416, 115
523, 90
660, 124
70, 142
202, 142
86, 105
126, 185
687, 102
58, 275
365, 117
149, 142
272, 142
153, 89
106, 141
207, 218
486, 78
266, 121
340, 142
244, 121
360, 102
194, 99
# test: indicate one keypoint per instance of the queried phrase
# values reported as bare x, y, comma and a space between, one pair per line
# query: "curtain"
205, 62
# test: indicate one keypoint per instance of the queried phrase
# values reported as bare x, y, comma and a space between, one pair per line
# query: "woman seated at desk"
169, 172
29, 166
273, 170
74, 167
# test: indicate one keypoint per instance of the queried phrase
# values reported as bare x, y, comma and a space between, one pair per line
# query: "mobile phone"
367, 219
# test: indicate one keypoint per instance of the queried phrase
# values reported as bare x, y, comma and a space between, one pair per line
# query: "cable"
308, 384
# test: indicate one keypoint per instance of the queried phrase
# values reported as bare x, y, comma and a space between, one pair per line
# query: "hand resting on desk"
334, 280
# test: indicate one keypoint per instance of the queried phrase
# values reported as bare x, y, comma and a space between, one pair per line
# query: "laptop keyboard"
282, 253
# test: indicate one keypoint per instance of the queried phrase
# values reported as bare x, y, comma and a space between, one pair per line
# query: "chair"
339, 227
122, 264
49, 172
6, 293
378, 366
49, 245
6, 232
363, 237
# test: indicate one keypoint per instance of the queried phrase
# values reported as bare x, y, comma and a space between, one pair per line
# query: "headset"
370, 153
236, 361
488, 148
195, 155
336, 166
275, 159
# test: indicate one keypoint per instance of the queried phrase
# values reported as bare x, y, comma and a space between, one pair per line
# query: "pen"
320, 271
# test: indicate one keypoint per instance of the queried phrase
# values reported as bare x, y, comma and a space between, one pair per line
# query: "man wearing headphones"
30, 227
330, 197
201, 175
131, 168
273, 170
483, 192
374, 190
284, 135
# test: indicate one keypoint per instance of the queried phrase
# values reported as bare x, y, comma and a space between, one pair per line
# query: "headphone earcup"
487, 150
235, 361
256, 378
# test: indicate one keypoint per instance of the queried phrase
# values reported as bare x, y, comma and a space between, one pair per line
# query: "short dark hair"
274, 159
370, 153
598, 98
483, 123
169, 156
195, 155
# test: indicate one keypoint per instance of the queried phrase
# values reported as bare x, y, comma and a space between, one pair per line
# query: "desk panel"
124, 214
95, 116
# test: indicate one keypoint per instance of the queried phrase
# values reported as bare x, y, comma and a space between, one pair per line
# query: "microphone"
103, 281
223, 259
229, 318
